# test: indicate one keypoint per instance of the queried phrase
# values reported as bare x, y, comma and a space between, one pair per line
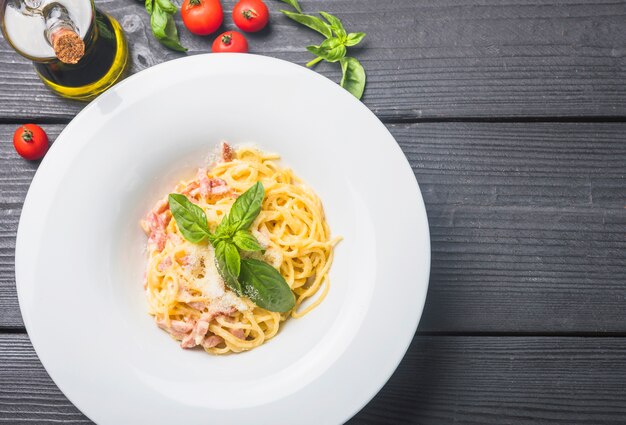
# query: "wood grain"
424, 59
442, 380
527, 222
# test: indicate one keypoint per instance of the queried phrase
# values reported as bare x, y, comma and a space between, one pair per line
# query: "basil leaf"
353, 78
228, 264
331, 49
190, 218
167, 6
164, 28
312, 22
294, 4
244, 211
148, 5
354, 38
265, 286
335, 25
246, 242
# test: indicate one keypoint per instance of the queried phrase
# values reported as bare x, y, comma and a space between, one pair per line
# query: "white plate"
79, 258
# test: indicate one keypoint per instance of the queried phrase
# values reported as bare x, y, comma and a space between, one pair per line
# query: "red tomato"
230, 42
202, 17
30, 141
251, 15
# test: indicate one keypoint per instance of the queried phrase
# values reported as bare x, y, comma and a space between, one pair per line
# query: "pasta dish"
235, 252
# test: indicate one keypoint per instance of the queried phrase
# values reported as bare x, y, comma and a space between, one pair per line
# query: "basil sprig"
162, 23
190, 218
265, 286
334, 47
257, 280
244, 211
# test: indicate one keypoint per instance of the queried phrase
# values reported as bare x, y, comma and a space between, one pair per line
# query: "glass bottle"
77, 50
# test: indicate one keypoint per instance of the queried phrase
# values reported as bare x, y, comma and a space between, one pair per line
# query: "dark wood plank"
528, 225
425, 59
442, 380
15, 177
527, 222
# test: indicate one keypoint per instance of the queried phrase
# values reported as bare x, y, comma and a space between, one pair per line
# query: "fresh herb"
265, 286
244, 211
190, 218
255, 279
353, 78
246, 242
294, 4
162, 23
228, 263
334, 47
312, 22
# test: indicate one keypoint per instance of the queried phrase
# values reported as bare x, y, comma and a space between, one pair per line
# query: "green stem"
314, 62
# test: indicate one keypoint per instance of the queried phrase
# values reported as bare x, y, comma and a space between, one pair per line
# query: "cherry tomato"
202, 17
230, 42
251, 15
30, 141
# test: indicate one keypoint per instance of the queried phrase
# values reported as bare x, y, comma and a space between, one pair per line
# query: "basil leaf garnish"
257, 280
265, 286
244, 211
228, 264
246, 241
190, 218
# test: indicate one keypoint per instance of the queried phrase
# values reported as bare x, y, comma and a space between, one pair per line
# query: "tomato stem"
314, 62
27, 135
227, 39
194, 2
249, 14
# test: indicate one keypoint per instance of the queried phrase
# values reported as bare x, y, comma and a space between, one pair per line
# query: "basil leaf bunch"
255, 279
334, 47
162, 23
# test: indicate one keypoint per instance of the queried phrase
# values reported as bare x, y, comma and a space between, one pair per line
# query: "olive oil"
77, 50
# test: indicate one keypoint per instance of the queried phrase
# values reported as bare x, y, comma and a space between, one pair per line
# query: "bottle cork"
68, 46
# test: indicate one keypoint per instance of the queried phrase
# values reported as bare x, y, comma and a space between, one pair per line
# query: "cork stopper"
68, 46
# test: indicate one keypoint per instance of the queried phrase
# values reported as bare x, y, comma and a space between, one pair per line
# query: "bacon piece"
161, 206
209, 187
204, 183
196, 337
198, 305
212, 341
227, 153
191, 187
155, 223
165, 264
239, 333
219, 187
177, 328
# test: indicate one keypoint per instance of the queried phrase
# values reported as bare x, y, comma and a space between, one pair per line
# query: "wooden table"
513, 116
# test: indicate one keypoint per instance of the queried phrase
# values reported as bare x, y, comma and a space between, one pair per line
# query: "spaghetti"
185, 292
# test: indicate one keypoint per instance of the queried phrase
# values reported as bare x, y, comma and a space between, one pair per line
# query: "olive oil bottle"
77, 50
